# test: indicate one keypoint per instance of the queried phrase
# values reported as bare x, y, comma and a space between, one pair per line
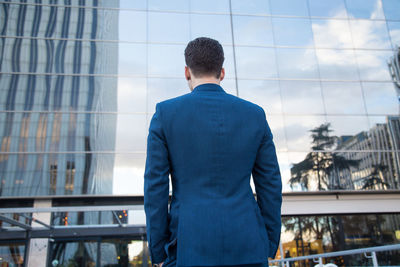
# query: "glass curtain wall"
79, 81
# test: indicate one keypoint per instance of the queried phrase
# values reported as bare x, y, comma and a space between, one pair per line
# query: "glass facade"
307, 235
79, 81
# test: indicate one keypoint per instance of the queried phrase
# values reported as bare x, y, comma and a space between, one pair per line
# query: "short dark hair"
204, 56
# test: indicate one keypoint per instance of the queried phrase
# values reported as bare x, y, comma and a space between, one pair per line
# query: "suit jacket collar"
208, 87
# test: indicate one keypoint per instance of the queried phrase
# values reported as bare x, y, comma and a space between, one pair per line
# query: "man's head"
204, 57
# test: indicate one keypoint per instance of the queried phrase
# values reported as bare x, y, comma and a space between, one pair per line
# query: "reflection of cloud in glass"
332, 33
297, 63
370, 34
255, 62
168, 27
205, 26
297, 131
251, 30
131, 132
131, 94
301, 97
394, 30
366, 9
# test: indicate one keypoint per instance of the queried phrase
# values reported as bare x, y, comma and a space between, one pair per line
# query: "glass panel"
300, 97
175, 5
105, 28
228, 62
394, 30
331, 8
251, 30
343, 98
308, 235
132, 94
297, 63
83, 218
131, 59
337, 64
292, 32
229, 86
366, 9
134, 4
264, 93
12, 254
370, 34
212, 6
80, 253
373, 65
168, 27
348, 126
68, 93
256, 7
162, 89
284, 167
36, 132
128, 173
289, 7
391, 8
275, 122
72, 173
121, 252
132, 26
255, 62
355, 170
380, 98
204, 25
332, 33
166, 60
131, 133
298, 131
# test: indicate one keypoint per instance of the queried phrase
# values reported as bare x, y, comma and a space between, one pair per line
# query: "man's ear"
222, 75
187, 73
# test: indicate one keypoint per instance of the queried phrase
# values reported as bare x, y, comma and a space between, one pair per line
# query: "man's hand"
161, 264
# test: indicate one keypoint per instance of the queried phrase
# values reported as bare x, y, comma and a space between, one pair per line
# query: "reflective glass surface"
307, 235
255, 62
343, 98
366, 9
332, 33
78, 86
297, 63
292, 32
332, 8
289, 7
257, 7
251, 30
12, 253
394, 31
390, 7
204, 25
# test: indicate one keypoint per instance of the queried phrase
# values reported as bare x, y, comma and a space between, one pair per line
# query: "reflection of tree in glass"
322, 163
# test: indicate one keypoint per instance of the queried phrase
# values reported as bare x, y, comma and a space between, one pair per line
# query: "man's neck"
196, 82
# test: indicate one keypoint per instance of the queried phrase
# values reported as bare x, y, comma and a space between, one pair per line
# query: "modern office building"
79, 80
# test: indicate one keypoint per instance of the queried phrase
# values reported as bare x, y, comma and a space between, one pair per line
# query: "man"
211, 142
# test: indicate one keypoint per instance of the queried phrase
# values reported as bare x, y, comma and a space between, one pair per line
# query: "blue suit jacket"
211, 142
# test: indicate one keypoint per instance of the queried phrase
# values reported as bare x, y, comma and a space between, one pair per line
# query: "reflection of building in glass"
378, 156
308, 63
50, 97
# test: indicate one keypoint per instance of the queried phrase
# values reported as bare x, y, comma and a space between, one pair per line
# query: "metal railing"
318, 257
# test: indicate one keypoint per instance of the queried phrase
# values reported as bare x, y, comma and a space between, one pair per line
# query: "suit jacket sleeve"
156, 189
268, 186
